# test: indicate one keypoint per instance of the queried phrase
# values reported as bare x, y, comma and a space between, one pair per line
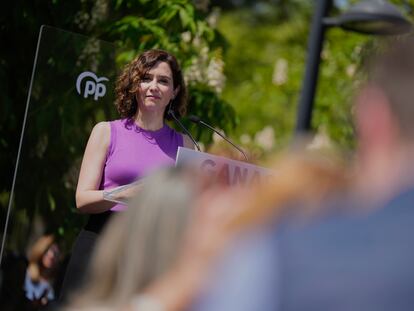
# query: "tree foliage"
55, 138
265, 65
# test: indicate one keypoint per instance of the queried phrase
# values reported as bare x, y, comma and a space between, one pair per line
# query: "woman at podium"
122, 151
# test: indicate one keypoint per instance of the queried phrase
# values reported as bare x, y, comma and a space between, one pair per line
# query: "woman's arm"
88, 198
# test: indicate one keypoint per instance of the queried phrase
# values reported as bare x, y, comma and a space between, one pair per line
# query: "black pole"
315, 44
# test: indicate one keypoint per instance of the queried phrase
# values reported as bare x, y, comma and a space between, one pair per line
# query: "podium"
231, 172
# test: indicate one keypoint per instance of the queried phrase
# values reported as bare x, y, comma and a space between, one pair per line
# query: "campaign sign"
232, 172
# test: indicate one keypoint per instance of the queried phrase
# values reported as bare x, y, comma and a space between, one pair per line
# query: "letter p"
90, 87
100, 91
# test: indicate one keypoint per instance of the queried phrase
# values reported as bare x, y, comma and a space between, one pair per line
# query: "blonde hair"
140, 244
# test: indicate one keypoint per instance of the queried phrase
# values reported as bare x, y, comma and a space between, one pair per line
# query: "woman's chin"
153, 108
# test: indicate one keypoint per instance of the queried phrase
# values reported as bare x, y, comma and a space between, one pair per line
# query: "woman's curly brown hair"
127, 85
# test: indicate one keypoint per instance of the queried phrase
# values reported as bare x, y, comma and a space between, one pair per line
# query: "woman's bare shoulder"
101, 132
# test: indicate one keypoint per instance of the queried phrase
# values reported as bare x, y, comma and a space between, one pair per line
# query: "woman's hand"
123, 194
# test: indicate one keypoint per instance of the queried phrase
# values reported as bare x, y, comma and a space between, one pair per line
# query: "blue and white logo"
92, 85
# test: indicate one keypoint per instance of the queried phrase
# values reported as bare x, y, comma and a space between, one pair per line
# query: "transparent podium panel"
72, 88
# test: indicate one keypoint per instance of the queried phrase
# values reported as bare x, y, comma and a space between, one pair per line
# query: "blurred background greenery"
243, 61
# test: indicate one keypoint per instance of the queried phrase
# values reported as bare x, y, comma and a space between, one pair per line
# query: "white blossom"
197, 42
213, 17
99, 12
194, 72
320, 141
186, 36
326, 53
350, 70
280, 72
215, 75
265, 138
245, 139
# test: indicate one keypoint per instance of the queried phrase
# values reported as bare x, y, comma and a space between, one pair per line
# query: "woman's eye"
146, 79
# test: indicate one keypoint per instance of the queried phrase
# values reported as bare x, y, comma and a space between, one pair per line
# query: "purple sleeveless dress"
134, 152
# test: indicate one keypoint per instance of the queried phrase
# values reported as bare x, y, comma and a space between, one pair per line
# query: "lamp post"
370, 17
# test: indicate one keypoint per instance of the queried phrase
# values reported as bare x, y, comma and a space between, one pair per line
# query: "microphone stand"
196, 119
172, 114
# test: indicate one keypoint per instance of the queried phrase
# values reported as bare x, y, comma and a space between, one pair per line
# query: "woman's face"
51, 257
156, 89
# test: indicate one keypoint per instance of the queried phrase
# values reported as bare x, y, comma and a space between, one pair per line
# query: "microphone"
197, 120
172, 114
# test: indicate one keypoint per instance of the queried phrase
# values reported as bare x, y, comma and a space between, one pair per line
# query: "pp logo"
92, 85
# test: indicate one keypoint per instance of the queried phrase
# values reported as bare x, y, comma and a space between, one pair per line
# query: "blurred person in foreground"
147, 258
159, 253
358, 253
